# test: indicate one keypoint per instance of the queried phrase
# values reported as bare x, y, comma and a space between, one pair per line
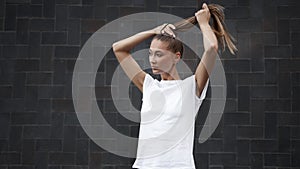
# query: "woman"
170, 105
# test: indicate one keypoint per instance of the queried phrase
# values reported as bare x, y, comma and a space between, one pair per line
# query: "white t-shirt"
166, 134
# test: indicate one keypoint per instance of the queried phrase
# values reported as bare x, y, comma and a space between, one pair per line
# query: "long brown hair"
218, 26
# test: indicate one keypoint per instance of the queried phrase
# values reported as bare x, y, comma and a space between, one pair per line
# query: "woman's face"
161, 59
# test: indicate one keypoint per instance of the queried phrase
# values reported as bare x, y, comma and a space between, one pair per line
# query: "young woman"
170, 105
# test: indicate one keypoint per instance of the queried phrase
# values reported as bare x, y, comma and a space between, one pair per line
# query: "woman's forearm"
125, 45
209, 38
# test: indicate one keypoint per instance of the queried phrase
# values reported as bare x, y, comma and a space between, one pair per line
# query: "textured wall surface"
41, 39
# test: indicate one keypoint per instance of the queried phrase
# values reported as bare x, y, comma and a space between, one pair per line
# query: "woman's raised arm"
210, 42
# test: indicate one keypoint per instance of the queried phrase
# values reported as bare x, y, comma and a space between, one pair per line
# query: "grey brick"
61, 158
249, 132
282, 51
54, 38
81, 11
237, 65
264, 92
263, 146
42, 25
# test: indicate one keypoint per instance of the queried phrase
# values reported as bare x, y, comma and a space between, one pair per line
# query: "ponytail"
217, 24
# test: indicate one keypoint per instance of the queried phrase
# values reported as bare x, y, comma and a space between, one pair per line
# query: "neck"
172, 75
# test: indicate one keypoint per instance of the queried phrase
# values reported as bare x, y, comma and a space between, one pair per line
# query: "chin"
156, 72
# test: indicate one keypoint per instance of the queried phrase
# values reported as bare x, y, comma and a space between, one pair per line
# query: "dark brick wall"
40, 41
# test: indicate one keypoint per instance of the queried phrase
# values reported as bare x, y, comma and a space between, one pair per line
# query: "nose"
152, 59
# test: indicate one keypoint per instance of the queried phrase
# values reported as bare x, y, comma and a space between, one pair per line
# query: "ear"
177, 56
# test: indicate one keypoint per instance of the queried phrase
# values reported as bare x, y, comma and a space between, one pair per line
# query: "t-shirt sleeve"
203, 93
147, 83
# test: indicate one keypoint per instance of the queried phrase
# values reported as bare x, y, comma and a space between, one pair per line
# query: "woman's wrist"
205, 26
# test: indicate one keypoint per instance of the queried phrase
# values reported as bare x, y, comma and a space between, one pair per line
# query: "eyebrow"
160, 51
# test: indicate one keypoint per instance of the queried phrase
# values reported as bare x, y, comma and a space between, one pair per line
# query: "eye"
158, 54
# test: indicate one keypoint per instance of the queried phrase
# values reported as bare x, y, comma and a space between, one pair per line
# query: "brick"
284, 85
74, 2
263, 146
288, 12
243, 98
81, 11
36, 132
249, 25
283, 31
66, 52
257, 58
284, 134
7, 38
95, 160
71, 119
295, 132
42, 25
237, 12
243, 152
277, 105
49, 8
295, 24
130, 10
46, 58
250, 78
47, 145
61, 158
249, 132
237, 65
287, 119
230, 138
56, 130
82, 156
73, 32
120, 3
61, 105
54, 38
269, 16
36, 11
231, 81
2, 7
271, 71
243, 45
257, 160
91, 25
10, 18
280, 51
24, 118
266, 38
271, 121
256, 7
272, 159
236, 118
38, 78
61, 17
257, 112
183, 12
264, 92
26, 65
222, 159
295, 37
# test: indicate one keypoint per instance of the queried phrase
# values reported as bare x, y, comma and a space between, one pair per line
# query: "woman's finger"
172, 26
170, 31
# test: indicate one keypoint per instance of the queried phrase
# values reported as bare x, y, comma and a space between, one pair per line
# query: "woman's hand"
203, 15
165, 29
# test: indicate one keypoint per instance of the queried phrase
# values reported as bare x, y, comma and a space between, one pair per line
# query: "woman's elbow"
213, 47
115, 47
